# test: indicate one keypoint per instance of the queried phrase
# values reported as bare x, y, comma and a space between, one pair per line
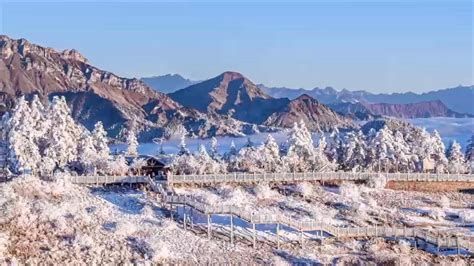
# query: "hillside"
316, 116
414, 110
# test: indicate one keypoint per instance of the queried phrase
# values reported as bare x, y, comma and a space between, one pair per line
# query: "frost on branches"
44, 139
301, 154
132, 143
457, 163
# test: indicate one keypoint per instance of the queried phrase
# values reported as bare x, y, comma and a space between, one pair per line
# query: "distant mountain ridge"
168, 83
317, 116
459, 99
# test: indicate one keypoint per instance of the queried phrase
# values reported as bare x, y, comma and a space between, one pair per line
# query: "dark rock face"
232, 94
317, 116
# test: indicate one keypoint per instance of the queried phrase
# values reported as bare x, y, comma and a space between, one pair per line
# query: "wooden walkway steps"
436, 238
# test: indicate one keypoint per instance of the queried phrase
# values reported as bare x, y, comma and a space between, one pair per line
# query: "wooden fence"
316, 176
436, 238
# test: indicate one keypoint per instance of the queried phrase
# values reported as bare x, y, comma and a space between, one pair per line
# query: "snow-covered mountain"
459, 99
168, 83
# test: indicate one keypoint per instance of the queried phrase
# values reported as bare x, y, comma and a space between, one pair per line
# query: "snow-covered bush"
305, 189
466, 216
264, 192
437, 214
377, 182
350, 191
444, 202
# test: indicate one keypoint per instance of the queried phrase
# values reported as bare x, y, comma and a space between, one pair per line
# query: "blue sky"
380, 46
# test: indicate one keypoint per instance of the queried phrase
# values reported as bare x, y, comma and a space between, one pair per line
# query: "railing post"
231, 230
209, 226
457, 245
254, 235
184, 217
278, 235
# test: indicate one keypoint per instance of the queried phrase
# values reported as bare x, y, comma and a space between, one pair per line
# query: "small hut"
148, 165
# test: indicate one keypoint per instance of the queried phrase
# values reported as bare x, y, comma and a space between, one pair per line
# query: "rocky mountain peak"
73, 54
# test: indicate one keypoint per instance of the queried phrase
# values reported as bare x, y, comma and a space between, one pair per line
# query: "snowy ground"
57, 222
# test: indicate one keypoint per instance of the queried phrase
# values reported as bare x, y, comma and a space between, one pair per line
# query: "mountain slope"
355, 111
458, 99
95, 94
317, 116
230, 93
414, 110
168, 83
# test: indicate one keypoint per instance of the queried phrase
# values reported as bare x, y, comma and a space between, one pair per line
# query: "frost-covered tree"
270, 152
354, 152
87, 154
213, 145
182, 149
43, 139
438, 152
333, 148
99, 139
301, 154
24, 153
63, 135
457, 163
470, 149
206, 164
381, 147
132, 143
401, 152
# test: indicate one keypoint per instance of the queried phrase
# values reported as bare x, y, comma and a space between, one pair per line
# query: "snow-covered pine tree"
301, 155
381, 147
99, 139
354, 155
24, 154
63, 135
438, 152
401, 152
132, 143
272, 161
213, 144
182, 149
470, 149
87, 154
457, 162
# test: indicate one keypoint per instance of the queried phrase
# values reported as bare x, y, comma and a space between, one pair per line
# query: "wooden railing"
310, 176
436, 238
108, 179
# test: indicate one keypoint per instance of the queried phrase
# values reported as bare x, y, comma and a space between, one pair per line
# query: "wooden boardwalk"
312, 176
436, 238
